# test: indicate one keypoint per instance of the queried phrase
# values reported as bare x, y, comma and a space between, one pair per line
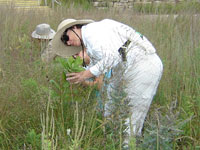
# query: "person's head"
67, 40
43, 32
72, 36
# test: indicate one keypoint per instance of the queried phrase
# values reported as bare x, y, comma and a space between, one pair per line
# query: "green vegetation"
167, 7
153, 7
41, 110
68, 3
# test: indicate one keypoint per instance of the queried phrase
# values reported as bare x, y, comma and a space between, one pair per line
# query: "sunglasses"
64, 38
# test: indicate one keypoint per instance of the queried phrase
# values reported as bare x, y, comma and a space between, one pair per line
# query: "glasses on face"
64, 38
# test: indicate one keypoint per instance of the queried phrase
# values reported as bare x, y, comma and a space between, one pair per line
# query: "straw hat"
43, 31
58, 46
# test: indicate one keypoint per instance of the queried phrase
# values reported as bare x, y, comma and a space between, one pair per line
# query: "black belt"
122, 50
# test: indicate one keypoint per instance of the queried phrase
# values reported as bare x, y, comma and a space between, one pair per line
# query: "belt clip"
122, 50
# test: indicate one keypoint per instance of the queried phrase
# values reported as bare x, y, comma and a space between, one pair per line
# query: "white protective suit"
141, 72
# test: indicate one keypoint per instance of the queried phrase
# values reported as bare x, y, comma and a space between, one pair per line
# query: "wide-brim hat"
58, 46
43, 31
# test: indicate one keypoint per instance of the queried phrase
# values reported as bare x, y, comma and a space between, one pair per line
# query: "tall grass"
34, 114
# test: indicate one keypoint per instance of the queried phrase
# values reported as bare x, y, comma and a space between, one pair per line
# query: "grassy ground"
40, 111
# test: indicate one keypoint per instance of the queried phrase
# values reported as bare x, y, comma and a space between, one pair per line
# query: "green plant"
163, 129
64, 99
63, 89
71, 64
33, 139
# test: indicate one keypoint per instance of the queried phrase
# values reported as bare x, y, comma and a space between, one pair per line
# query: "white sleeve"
108, 59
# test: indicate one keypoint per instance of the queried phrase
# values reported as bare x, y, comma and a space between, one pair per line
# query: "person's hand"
75, 77
79, 76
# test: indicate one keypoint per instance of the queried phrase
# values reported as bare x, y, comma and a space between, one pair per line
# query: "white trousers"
140, 80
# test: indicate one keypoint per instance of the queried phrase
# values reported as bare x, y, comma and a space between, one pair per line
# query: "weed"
33, 139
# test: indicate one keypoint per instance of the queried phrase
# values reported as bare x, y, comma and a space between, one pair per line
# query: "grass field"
39, 110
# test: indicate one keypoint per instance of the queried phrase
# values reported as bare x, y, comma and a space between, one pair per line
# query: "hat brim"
47, 37
59, 47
